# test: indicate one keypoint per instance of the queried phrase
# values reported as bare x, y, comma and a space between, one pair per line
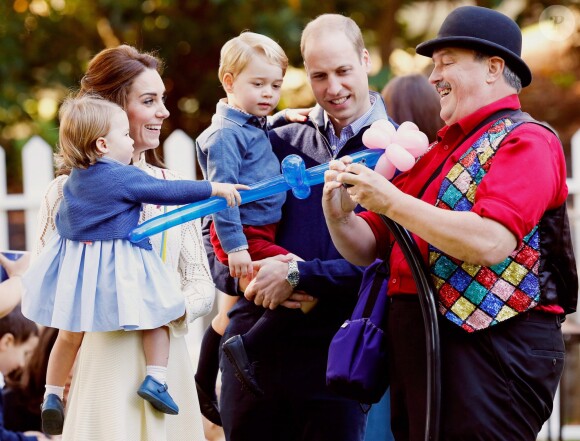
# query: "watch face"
293, 274
293, 278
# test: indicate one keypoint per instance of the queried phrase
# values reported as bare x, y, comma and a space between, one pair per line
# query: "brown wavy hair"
111, 73
413, 98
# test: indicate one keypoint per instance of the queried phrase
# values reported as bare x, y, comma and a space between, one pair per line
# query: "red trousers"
260, 242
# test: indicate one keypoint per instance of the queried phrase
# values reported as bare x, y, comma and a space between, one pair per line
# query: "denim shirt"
235, 148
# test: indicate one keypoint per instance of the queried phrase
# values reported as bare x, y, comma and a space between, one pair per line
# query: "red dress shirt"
527, 178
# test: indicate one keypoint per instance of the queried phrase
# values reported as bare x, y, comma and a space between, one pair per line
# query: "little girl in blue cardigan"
89, 277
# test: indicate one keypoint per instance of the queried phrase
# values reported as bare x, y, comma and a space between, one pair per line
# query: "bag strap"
493, 117
382, 272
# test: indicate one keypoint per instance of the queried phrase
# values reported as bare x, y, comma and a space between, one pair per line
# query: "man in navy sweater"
296, 404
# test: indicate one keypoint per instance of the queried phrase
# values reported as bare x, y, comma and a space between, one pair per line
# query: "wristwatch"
293, 276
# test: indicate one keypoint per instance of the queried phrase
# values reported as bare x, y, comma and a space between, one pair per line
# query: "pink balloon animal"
402, 146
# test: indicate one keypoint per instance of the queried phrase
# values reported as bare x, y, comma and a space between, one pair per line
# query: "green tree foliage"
45, 46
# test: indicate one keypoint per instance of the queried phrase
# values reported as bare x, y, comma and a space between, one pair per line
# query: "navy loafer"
156, 393
52, 414
243, 369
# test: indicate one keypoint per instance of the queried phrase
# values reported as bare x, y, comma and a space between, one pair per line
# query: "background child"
24, 389
89, 277
236, 148
18, 338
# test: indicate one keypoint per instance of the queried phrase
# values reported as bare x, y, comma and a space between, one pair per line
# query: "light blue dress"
100, 286
89, 277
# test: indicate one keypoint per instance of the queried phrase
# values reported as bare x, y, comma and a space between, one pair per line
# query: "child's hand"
297, 115
228, 191
241, 264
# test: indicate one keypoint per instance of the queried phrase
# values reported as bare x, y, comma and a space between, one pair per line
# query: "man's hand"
269, 288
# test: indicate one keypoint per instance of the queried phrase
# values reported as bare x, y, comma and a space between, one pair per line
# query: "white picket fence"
38, 171
179, 154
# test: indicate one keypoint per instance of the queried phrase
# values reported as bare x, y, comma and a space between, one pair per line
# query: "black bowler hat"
485, 30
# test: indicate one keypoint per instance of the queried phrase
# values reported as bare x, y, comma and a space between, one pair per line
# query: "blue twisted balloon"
294, 176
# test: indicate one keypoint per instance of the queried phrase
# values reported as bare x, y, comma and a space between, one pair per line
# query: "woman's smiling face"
146, 110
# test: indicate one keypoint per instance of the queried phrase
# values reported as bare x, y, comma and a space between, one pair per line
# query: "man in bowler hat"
487, 206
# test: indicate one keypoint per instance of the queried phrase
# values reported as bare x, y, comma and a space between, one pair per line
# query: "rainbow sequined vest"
541, 269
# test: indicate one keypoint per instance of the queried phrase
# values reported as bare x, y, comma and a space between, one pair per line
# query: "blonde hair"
333, 22
237, 53
83, 120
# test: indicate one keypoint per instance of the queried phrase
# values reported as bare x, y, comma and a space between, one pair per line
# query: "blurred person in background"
412, 98
25, 387
18, 338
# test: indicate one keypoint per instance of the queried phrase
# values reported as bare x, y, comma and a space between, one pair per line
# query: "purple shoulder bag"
357, 356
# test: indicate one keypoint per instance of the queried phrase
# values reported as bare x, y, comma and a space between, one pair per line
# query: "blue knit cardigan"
103, 201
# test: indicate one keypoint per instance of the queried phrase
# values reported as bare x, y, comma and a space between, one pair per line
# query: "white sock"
57, 390
157, 372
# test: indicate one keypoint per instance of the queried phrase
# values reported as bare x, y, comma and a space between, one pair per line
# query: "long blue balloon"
294, 176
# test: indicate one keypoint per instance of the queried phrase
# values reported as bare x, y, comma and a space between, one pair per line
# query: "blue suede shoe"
52, 414
156, 393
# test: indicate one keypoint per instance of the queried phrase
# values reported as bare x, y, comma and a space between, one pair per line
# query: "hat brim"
512, 60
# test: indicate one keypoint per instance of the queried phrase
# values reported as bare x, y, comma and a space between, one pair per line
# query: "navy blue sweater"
324, 274
103, 201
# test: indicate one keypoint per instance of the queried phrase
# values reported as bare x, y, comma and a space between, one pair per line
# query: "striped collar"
338, 142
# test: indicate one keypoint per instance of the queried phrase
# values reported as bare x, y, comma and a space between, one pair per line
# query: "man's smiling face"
460, 81
338, 76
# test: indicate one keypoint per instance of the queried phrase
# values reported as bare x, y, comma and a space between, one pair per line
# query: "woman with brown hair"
412, 98
102, 403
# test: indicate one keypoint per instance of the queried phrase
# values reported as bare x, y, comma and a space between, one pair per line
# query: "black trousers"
296, 406
497, 384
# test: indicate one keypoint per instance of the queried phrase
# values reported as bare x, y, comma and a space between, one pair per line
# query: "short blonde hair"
333, 22
238, 52
82, 121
